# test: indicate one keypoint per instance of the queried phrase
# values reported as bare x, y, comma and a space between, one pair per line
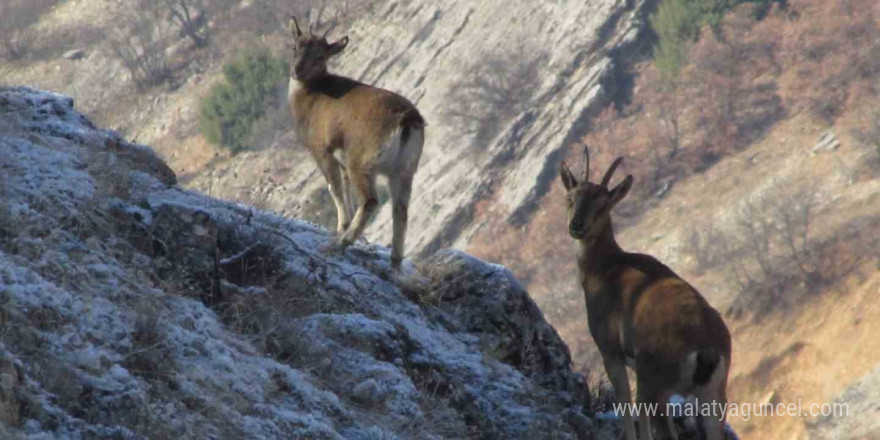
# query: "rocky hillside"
773, 126
565, 54
132, 308
554, 66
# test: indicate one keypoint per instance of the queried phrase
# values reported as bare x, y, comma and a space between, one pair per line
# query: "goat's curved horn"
586, 164
310, 30
294, 27
327, 32
607, 179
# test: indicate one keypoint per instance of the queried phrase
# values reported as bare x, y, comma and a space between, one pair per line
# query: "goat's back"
669, 316
339, 112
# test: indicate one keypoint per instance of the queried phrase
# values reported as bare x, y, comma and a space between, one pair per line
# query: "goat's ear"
338, 45
568, 180
621, 190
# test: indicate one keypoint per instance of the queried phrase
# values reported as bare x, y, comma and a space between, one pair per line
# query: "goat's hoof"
332, 248
395, 263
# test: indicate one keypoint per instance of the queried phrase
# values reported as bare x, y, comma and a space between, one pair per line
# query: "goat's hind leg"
714, 393
401, 188
364, 187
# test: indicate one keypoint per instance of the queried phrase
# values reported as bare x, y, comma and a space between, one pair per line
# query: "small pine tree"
711, 12
230, 110
677, 24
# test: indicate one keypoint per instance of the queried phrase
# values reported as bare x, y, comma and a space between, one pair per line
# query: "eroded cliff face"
448, 40
425, 50
132, 308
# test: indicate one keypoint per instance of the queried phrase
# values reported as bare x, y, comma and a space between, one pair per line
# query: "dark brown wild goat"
643, 315
355, 132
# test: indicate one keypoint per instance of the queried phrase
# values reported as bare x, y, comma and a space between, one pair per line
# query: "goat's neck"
293, 85
596, 257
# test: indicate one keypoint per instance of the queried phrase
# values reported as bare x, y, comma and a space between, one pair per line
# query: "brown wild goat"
643, 315
355, 132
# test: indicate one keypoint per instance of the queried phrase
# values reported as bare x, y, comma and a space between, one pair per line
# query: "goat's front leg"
652, 403
616, 370
715, 393
334, 173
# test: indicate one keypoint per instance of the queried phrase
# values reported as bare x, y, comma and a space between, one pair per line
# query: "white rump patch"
395, 158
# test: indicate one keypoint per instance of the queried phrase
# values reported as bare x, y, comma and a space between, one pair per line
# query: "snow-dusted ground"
130, 308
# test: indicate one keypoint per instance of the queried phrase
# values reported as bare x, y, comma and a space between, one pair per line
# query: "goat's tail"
411, 119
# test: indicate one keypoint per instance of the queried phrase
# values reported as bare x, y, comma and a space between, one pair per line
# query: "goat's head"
311, 52
589, 204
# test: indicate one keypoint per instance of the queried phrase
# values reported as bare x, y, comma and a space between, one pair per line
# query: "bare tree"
671, 108
494, 91
191, 16
17, 43
332, 13
870, 137
271, 15
756, 231
16, 35
770, 252
705, 244
140, 42
793, 212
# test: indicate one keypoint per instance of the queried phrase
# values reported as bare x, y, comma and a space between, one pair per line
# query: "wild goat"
355, 132
643, 315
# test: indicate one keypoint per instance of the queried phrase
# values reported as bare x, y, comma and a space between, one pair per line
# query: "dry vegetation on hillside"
815, 58
18, 38
819, 57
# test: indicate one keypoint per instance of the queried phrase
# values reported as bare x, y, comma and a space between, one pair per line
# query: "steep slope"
811, 342
132, 308
424, 50
827, 353
427, 51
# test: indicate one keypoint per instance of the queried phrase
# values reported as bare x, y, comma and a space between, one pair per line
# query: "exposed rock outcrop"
132, 308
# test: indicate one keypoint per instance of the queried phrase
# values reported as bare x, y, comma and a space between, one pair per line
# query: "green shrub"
230, 110
677, 24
